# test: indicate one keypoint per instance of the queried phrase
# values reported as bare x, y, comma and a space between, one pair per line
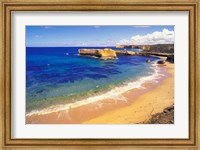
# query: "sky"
64, 36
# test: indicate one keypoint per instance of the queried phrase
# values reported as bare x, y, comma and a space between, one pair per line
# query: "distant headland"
167, 48
160, 50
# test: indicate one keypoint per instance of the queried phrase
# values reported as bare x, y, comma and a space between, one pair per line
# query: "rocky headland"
106, 53
162, 48
109, 53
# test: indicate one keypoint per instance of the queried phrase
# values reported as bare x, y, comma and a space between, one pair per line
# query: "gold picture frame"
192, 6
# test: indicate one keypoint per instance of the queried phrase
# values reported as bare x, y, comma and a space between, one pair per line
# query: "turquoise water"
58, 75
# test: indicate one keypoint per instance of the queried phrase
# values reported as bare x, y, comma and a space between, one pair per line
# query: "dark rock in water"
170, 58
161, 62
148, 60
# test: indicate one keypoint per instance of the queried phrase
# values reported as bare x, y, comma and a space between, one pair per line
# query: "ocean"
58, 75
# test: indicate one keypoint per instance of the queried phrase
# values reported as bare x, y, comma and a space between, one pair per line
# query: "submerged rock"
161, 62
148, 60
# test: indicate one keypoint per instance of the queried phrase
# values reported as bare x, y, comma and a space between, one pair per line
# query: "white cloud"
124, 42
110, 42
158, 37
83, 44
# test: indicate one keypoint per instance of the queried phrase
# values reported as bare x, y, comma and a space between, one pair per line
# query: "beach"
147, 104
129, 107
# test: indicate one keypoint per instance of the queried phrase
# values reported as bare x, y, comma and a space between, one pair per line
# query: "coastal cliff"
125, 52
160, 50
165, 48
106, 53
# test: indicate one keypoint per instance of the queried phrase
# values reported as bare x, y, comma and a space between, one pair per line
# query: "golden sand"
144, 106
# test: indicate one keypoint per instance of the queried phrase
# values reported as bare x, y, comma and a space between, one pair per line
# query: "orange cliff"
106, 53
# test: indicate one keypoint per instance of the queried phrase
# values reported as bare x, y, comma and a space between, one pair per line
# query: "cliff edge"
106, 53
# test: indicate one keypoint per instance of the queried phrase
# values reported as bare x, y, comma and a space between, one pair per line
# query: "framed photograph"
77, 74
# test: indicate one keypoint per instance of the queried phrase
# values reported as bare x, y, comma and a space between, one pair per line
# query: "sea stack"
106, 53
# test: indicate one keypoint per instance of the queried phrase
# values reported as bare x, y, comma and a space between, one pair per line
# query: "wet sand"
133, 106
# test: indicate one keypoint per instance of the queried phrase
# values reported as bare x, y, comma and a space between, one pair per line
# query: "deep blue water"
58, 75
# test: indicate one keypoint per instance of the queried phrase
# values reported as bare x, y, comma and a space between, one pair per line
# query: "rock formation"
165, 117
125, 52
164, 48
148, 61
106, 53
170, 58
119, 46
161, 62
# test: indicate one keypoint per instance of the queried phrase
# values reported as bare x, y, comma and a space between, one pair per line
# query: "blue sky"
47, 36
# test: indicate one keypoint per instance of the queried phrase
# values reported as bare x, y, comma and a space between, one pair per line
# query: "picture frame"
7, 7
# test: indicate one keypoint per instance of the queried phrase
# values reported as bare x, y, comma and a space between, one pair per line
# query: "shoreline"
145, 106
92, 111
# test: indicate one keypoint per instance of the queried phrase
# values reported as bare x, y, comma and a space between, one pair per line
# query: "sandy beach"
147, 104
133, 106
